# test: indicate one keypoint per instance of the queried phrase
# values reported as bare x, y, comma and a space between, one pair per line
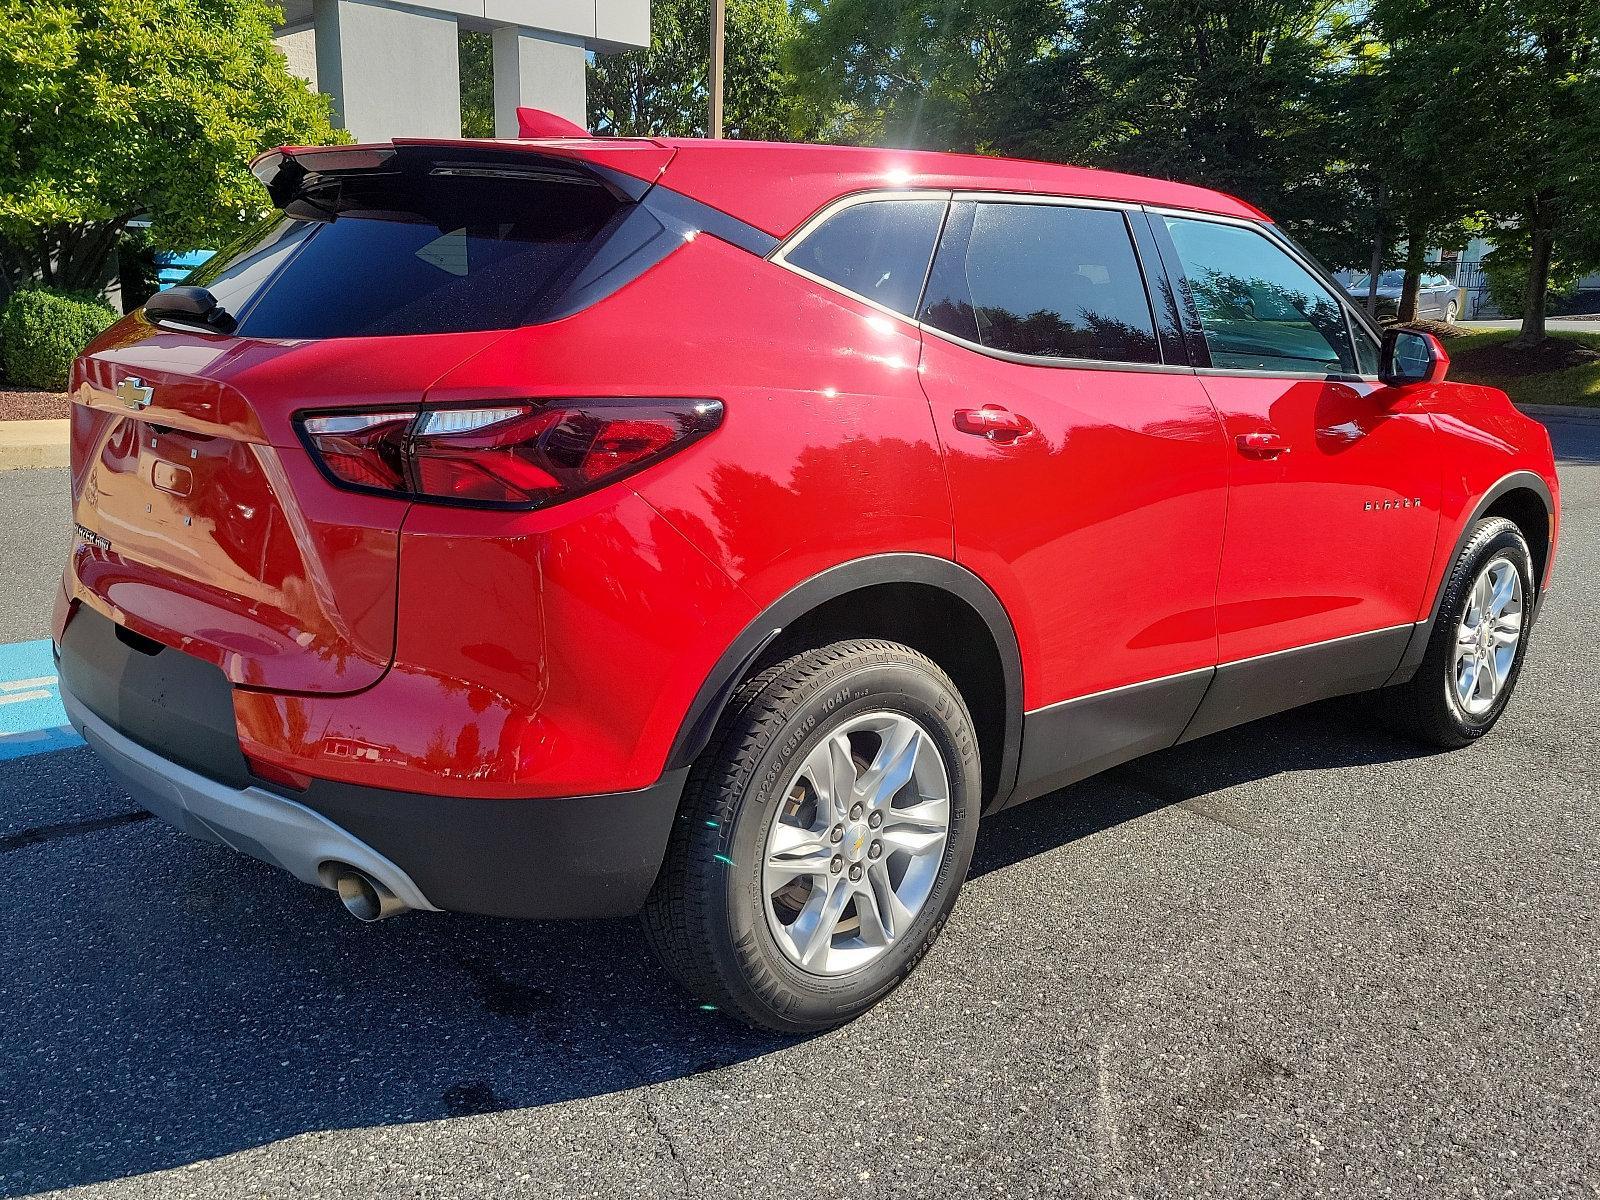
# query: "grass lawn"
1565, 370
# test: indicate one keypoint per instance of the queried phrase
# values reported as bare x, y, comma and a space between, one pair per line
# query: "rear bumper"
254, 821
580, 856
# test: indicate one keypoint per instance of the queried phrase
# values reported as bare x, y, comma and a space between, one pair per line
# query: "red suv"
571, 527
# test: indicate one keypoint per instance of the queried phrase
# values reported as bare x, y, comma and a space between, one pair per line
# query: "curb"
31, 445
1566, 412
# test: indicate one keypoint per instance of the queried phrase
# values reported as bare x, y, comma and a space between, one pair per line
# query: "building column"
392, 72
539, 70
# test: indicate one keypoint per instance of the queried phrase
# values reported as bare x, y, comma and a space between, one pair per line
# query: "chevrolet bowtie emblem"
132, 392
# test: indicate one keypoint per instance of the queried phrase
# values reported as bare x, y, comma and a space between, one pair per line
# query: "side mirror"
189, 306
1411, 357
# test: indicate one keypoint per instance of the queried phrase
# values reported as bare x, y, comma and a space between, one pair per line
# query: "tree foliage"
111, 109
664, 90
1545, 186
477, 84
941, 74
1244, 98
1361, 125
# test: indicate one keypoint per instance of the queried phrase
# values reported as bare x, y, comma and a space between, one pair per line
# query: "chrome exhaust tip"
365, 899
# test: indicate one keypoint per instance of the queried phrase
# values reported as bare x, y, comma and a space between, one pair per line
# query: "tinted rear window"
878, 249
434, 254
1044, 280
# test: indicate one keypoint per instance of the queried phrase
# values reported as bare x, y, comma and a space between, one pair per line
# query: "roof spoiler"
299, 173
537, 123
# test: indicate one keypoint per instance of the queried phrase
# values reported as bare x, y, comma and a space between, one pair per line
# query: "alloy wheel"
855, 846
1487, 637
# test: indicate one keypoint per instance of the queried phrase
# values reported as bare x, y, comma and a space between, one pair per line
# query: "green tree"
110, 109
940, 74
1241, 97
1545, 80
1415, 98
663, 90
477, 84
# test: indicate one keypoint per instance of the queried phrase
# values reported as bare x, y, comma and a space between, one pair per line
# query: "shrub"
41, 332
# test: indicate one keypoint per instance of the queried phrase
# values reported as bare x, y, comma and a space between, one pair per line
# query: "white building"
393, 69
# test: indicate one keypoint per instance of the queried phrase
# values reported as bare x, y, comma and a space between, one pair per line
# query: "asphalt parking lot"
1296, 959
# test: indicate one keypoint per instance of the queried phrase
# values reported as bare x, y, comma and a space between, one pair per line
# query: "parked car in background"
578, 527
1438, 299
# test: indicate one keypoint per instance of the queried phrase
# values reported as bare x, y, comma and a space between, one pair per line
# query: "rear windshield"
407, 255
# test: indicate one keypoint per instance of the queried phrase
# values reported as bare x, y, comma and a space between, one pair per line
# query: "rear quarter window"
877, 249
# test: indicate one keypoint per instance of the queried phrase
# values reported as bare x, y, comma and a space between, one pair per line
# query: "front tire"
822, 839
1479, 639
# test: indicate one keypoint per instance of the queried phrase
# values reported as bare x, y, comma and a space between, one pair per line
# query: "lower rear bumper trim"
253, 821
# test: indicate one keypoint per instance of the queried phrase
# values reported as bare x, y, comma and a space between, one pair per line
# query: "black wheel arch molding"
1520, 480
839, 582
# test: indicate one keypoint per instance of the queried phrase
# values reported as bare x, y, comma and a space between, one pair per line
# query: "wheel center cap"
856, 839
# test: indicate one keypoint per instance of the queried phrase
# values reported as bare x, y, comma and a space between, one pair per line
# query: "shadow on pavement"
1318, 737
167, 1001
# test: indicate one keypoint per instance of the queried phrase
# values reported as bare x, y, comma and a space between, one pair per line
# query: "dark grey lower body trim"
1258, 687
552, 858
1078, 738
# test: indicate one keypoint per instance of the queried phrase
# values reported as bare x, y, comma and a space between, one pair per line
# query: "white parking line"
20, 697
12, 685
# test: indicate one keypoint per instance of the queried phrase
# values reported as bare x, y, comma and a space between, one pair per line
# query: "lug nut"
855, 872
838, 833
874, 850
836, 865
875, 820
855, 812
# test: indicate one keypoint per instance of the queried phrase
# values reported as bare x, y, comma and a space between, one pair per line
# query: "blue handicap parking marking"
32, 720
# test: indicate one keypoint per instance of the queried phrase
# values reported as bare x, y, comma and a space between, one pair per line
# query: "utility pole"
718, 19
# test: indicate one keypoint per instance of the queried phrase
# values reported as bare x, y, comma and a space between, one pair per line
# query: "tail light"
508, 455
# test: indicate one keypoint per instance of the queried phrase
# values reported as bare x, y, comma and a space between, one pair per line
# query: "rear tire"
830, 779
1469, 671
1451, 311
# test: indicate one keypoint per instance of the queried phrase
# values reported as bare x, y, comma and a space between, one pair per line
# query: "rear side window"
1259, 309
878, 249
1044, 280
415, 254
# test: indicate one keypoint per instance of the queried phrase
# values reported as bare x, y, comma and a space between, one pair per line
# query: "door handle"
993, 422
1265, 443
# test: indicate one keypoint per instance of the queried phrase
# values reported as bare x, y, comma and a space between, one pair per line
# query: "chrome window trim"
780, 257
1330, 377
1071, 364
780, 254
1270, 232
1051, 198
